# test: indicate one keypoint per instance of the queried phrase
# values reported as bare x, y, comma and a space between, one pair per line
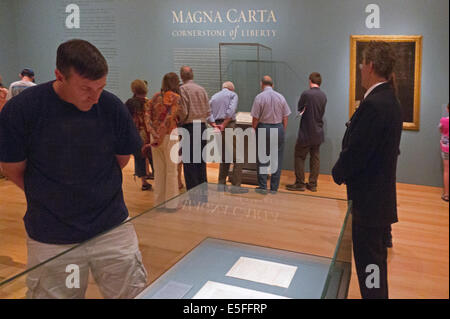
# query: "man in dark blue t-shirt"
65, 143
310, 134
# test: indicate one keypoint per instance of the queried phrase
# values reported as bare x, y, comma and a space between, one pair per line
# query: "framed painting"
407, 73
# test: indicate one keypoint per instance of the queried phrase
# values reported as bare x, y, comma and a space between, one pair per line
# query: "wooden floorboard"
418, 263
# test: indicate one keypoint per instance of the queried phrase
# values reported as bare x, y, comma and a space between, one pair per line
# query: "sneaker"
273, 192
238, 190
261, 190
296, 187
311, 188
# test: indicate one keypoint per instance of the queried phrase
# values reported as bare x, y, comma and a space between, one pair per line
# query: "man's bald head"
186, 73
228, 85
266, 81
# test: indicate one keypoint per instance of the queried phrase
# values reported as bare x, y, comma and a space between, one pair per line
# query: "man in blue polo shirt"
270, 113
65, 143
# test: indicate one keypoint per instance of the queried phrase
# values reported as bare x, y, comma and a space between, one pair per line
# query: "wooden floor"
418, 262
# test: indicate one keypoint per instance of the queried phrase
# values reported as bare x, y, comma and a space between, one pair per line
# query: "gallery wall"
8, 44
146, 39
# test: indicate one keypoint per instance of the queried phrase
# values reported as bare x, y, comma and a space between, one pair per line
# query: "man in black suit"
367, 164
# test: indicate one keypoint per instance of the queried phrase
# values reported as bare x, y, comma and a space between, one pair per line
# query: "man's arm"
255, 112
362, 143
15, 172
122, 160
301, 106
255, 122
224, 123
211, 121
9, 94
285, 122
231, 110
184, 106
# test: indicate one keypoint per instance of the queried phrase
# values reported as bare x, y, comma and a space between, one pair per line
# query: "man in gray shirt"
310, 134
27, 80
270, 111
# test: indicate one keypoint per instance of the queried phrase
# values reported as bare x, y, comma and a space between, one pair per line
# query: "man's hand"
123, 160
337, 179
255, 123
285, 122
221, 127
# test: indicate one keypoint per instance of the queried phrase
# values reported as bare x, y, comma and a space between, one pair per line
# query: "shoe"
273, 192
444, 197
296, 187
311, 188
146, 187
261, 190
238, 190
150, 176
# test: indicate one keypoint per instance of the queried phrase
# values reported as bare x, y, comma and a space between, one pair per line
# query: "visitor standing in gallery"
367, 164
162, 121
270, 113
311, 106
26, 81
137, 105
64, 143
443, 127
195, 111
223, 115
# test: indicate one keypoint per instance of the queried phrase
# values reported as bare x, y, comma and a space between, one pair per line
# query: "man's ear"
371, 68
59, 76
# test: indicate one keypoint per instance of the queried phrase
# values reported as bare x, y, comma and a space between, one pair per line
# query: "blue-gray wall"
312, 35
8, 44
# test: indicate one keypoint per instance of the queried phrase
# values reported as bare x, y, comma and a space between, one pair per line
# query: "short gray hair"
228, 85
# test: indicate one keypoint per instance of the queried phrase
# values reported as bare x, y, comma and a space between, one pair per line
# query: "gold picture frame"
407, 72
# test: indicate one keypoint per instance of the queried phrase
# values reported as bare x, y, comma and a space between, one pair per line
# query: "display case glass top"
282, 230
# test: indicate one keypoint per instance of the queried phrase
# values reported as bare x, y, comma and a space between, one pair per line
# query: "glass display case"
214, 244
246, 63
